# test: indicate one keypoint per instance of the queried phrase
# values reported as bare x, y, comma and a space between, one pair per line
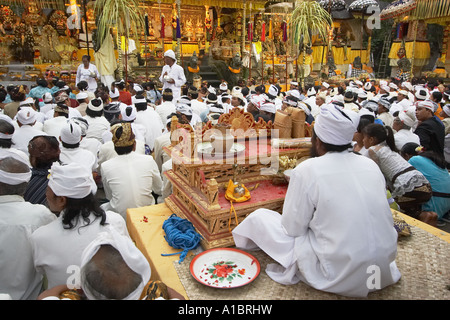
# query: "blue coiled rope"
180, 234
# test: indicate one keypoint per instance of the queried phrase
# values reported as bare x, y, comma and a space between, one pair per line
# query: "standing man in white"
172, 75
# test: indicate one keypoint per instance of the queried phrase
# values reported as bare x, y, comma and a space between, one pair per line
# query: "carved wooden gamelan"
204, 161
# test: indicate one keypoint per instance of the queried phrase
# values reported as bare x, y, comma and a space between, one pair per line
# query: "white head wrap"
26, 102
257, 100
304, 107
82, 95
385, 103
71, 180
273, 90
128, 112
98, 106
311, 92
9, 120
367, 86
335, 126
223, 86
326, 85
426, 104
408, 118
184, 109
47, 97
407, 85
393, 86
14, 178
137, 87
446, 109
70, 133
132, 256
421, 94
114, 94
169, 53
26, 115
386, 88
295, 93
268, 107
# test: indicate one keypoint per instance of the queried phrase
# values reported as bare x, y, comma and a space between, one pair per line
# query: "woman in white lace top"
408, 186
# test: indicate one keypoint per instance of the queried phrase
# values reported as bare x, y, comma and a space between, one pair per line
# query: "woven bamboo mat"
422, 258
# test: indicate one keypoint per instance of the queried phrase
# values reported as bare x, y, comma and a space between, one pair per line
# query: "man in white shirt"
130, 178
48, 104
53, 125
336, 225
162, 141
96, 120
197, 104
26, 117
71, 152
149, 118
18, 220
167, 106
172, 75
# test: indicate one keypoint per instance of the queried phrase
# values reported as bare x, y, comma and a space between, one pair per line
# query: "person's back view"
18, 220
129, 178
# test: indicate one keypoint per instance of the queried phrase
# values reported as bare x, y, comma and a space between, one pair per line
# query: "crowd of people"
59, 147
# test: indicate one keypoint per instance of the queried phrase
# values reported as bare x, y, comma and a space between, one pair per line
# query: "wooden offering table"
200, 178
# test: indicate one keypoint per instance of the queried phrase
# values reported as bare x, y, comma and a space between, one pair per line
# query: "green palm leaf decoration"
308, 18
125, 15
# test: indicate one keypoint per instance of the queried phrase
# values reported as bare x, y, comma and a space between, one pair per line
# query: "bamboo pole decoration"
250, 40
414, 48
243, 29
180, 50
86, 25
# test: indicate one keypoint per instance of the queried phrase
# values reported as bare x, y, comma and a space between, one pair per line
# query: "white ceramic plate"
225, 268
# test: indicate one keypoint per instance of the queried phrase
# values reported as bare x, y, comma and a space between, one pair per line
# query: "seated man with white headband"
336, 229
58, 246
26, 118
149, 118
172, 75
18, 219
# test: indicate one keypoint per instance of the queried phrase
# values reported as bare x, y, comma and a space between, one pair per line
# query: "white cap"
26, 115
367, 86
70, 133
82, 95
335, 125
326, 85
71, 180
